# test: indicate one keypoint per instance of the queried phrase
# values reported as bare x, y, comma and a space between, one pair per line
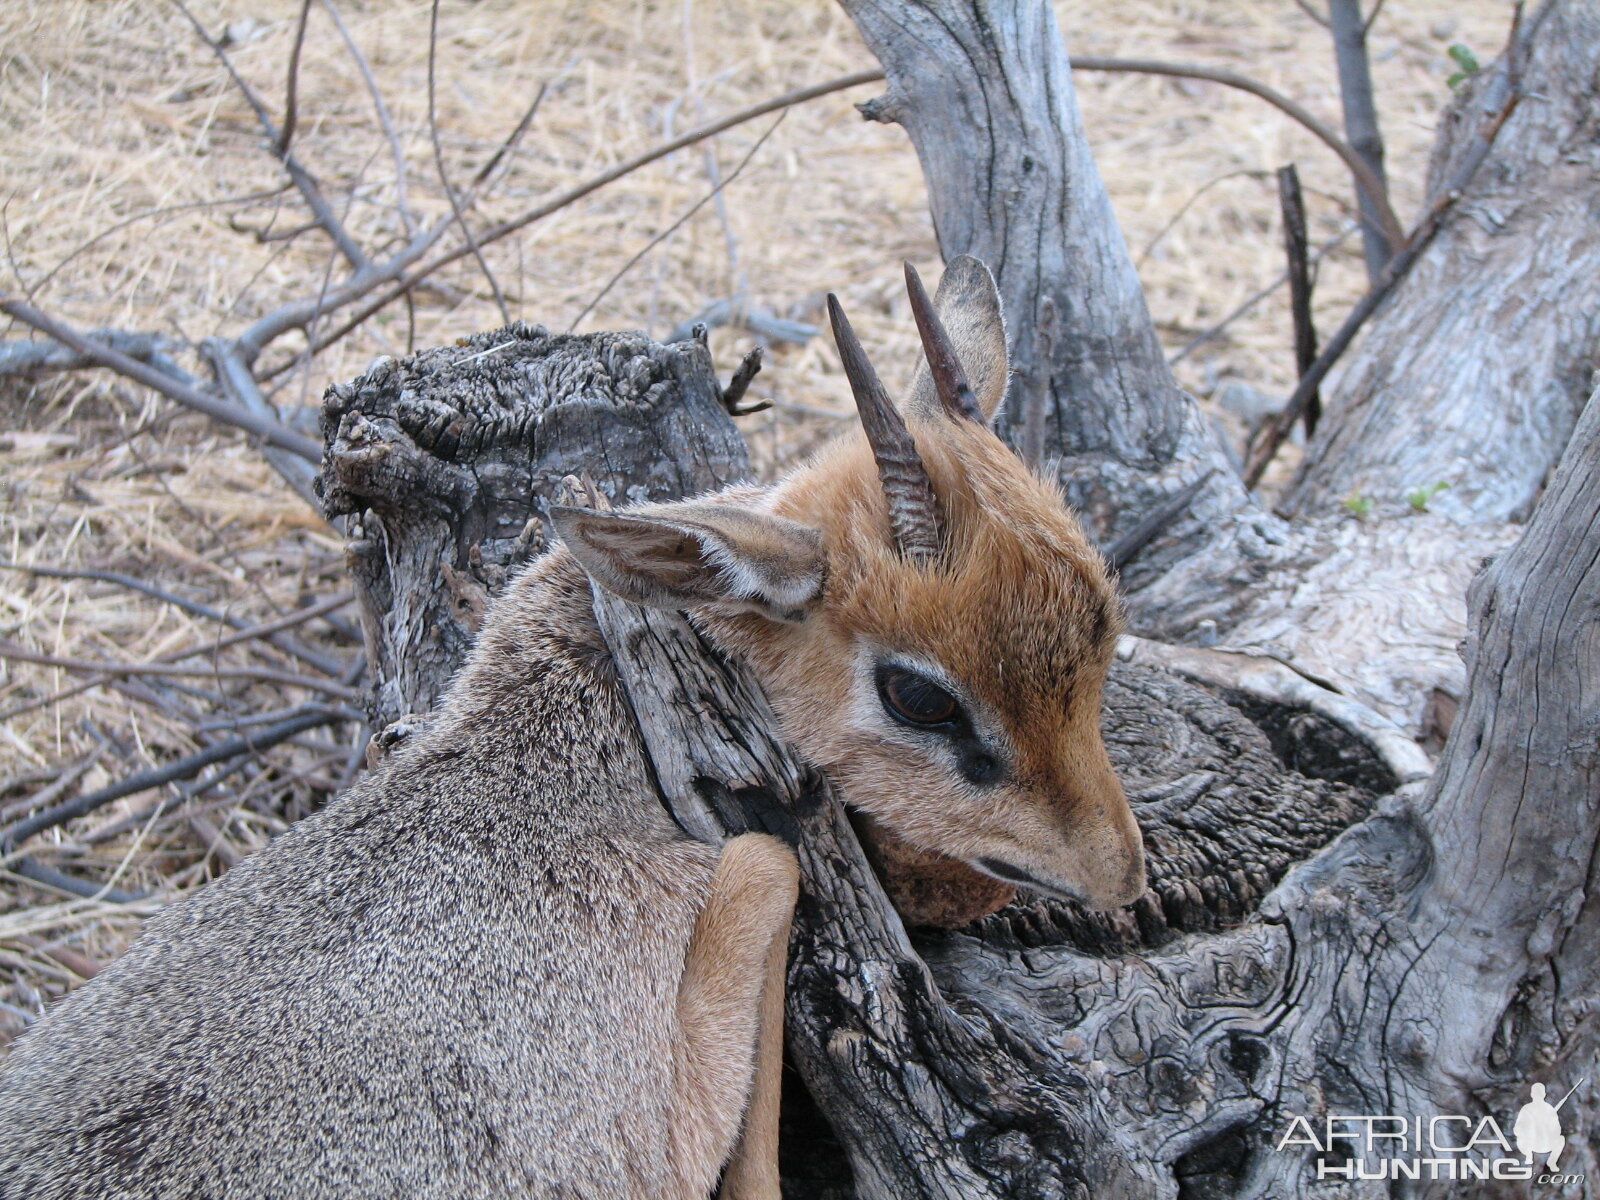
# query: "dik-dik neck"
537, 711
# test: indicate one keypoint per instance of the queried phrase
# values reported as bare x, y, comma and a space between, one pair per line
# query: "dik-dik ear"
698, 556
968, 304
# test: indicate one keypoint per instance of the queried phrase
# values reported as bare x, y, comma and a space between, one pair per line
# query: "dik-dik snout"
925, 614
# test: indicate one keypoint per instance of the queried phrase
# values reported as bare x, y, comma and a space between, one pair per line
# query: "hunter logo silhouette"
1538, 1127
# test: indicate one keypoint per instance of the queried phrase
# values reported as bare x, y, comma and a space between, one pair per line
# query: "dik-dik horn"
496, 967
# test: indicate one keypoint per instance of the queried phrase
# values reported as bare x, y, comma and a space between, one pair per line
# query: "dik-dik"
496, 968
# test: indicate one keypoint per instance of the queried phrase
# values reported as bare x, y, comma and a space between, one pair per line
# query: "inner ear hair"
696, 555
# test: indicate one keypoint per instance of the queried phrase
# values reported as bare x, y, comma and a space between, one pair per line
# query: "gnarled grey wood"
445, 461
1476, 368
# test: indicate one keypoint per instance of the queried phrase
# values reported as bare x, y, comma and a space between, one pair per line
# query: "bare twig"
238, 383
300, 314
1257, 297
1194, 196
760, 321
183, 768
1371, 186
16, 653
1277, 429
310, 190
321, 662
444, 178
56, 788
572, 195
1361, 121
676, 225
1305, 7
748, 368
164, 211
291, 89
1299, 273
385, 120
511, 142
299, 616
268, 430
58, 881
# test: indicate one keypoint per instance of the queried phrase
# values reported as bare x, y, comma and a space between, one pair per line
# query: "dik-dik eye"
915, 699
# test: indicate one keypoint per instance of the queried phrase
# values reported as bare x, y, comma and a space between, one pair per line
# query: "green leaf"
1466, 60
1419, 497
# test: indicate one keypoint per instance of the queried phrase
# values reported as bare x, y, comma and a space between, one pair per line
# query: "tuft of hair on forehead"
1018, 605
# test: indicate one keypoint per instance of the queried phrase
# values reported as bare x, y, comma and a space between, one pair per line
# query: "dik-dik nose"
1107, 846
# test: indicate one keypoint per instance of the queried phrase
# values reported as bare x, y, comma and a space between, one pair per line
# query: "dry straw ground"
129, 167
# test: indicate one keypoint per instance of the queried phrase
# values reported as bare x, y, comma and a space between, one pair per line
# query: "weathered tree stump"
446, 459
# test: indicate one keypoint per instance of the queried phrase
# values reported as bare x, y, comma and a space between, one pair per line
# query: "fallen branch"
321, 662
270, 431
676, 225
183, 768
35, 357
10, 650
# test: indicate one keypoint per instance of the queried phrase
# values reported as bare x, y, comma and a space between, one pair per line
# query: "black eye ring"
916, 700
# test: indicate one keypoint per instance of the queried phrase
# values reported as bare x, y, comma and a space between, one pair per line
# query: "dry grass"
113, 117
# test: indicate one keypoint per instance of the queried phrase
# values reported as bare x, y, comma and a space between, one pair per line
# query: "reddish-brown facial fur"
1016, 618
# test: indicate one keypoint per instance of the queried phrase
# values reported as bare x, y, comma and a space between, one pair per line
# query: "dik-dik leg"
730, 1013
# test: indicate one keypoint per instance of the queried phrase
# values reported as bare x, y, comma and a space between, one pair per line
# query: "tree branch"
307, 184
1361, 120
1371, 186
269, 430
385, 120
444, 177
9, 650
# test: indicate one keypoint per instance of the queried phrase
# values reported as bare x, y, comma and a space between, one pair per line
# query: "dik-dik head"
925, 615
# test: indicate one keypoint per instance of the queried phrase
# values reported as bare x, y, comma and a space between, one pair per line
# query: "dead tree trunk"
447, 459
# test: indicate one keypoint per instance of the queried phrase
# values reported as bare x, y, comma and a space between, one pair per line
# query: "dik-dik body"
496, 967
